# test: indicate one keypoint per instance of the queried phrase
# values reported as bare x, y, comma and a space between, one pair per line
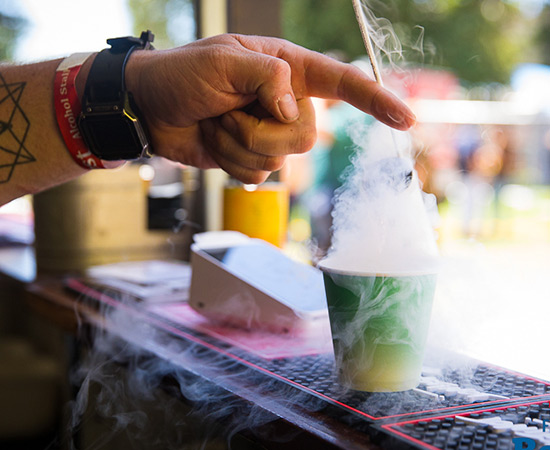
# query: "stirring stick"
363, 26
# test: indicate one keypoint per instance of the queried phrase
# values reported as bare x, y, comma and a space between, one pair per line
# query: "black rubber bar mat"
521, 425
441, 391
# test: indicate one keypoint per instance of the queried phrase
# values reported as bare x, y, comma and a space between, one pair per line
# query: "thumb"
287, 107
269, 78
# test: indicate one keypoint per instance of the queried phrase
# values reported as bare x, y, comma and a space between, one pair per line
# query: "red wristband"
67, 110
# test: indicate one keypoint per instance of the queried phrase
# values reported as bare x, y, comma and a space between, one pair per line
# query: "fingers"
267, 77
275, 93
317, 75
250, 149
357, 89
240, 172
268, 136
244, 165
327, 78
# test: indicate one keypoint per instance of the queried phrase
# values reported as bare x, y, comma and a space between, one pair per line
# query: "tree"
172, 21
543, 36
479, 40
322, 25
11, 27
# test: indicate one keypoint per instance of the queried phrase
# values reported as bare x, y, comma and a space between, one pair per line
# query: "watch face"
113, 136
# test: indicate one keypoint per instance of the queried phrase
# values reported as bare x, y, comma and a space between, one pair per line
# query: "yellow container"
257, 211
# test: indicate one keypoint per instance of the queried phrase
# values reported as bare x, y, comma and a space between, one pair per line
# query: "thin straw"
362, 21
363, 26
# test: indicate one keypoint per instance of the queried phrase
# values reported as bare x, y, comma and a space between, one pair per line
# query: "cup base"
380, 386
383, 368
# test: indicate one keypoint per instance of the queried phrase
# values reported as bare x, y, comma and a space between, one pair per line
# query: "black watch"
110, 122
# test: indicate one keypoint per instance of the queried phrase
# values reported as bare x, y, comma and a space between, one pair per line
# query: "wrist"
82, 76
132, 74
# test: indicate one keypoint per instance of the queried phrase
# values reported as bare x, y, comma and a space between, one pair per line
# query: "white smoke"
382, 219
151, 389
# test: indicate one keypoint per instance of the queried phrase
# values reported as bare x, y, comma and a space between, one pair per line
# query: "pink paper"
261, 343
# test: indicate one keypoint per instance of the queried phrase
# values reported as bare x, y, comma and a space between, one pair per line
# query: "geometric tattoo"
14, 127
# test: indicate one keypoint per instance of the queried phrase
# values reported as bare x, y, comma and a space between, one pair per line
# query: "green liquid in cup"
379, 328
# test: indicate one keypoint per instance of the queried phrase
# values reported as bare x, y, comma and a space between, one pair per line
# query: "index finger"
318, 75
328, 78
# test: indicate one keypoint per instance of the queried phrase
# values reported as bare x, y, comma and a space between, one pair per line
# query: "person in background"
240, 103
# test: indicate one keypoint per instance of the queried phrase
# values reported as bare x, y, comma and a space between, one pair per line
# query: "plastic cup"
379, 326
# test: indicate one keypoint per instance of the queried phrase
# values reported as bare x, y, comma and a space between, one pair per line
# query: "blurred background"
475, 74
474, 71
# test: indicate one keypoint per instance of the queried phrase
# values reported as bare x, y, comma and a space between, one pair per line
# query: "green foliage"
158, 16
543, 36
151, 15
322, 25
479, 40
11, 28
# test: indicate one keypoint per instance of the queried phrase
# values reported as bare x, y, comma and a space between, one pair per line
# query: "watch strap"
107, 71
110, 122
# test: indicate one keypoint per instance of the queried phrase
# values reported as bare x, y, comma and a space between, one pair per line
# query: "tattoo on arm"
14, 127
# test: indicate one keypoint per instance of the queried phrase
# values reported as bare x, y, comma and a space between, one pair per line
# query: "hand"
242, 103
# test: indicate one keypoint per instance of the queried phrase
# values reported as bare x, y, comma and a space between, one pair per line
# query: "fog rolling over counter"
380, 272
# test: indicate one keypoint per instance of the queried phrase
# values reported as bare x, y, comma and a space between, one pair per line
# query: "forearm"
33, 156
